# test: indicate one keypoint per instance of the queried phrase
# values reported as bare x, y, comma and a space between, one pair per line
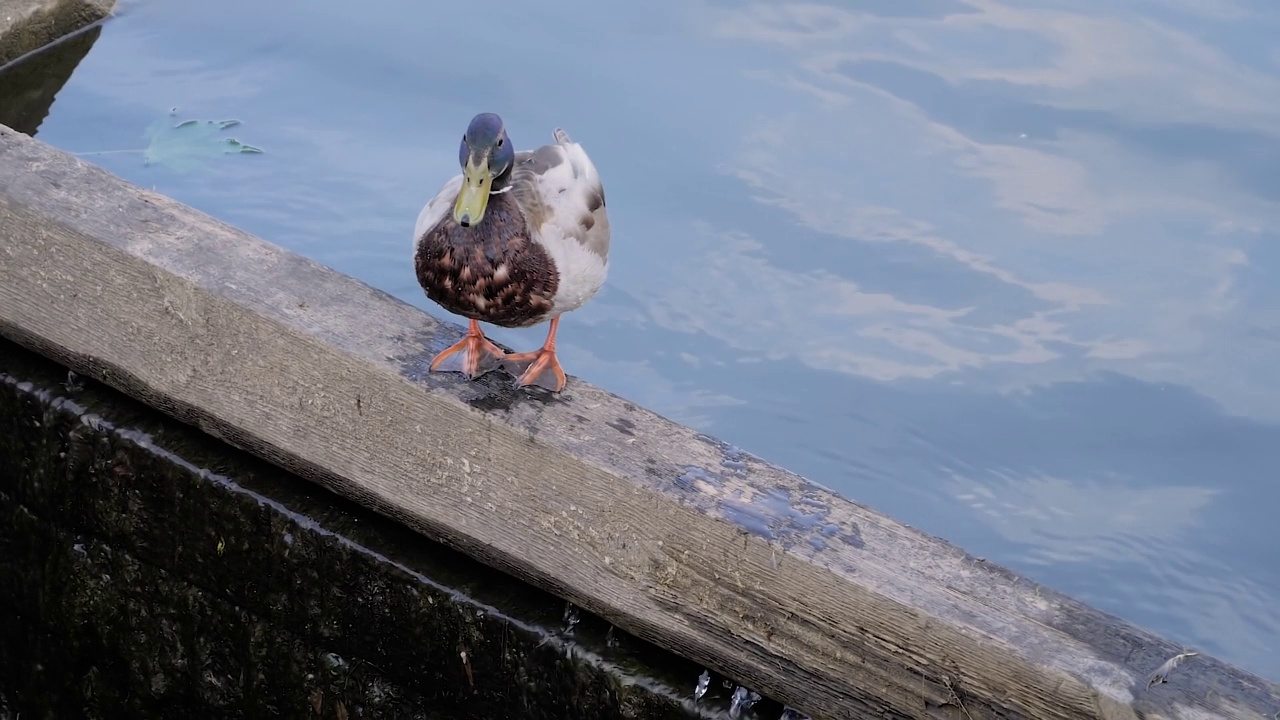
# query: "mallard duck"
517, 239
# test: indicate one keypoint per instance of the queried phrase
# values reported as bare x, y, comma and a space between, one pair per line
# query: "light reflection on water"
1002, 270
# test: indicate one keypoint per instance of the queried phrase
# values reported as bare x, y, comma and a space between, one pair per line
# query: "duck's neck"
502, 183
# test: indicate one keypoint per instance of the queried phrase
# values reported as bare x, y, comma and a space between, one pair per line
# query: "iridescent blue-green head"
485, 155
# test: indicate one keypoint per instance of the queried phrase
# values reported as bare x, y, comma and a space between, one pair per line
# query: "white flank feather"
437, 207
567, 190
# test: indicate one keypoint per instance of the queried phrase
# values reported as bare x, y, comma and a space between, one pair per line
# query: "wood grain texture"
719, 556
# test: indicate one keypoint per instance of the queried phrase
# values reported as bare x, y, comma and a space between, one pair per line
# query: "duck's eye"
500, 142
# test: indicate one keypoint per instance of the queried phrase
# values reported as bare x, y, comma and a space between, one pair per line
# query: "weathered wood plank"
28, 25
721, 557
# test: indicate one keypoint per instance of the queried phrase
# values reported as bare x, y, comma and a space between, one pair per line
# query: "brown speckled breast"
491, 272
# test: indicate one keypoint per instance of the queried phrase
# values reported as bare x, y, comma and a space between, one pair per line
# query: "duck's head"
485, 155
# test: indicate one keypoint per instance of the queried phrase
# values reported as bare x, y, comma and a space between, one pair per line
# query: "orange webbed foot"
473, 355
539, 368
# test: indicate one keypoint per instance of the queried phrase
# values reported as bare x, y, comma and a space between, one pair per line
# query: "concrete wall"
27, 25
28, 88
152, 571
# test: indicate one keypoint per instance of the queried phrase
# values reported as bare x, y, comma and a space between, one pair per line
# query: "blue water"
1003, 270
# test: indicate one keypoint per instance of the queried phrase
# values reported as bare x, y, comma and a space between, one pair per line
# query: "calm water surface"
1004, 270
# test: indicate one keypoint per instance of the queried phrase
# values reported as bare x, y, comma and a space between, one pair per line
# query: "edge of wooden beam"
672, 535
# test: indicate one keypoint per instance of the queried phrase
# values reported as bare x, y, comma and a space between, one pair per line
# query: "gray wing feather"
557, 185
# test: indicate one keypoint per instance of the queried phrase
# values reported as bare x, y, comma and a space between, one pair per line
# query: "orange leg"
472, 356
539, 367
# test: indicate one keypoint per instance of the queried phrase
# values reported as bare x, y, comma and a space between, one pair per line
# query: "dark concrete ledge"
150, 570
675, 537
28, 25
28, 87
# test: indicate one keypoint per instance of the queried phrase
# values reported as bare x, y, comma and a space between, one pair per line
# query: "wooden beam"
726, 559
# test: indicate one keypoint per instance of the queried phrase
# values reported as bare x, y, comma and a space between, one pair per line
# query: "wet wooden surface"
683, 540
